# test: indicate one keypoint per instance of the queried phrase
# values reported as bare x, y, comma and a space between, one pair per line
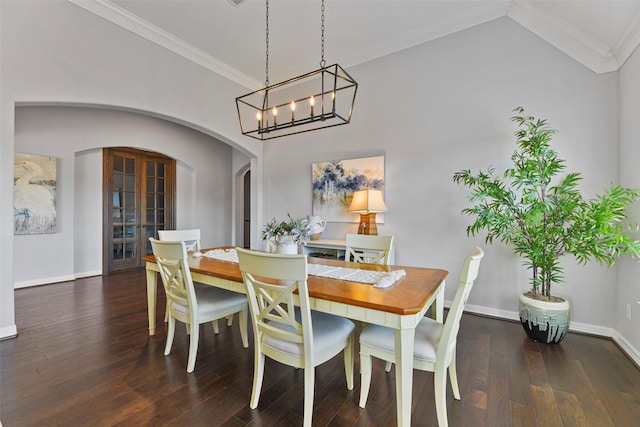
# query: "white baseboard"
51, 280
8, 332
88, 274
44, 281
631, 351
583, 328
491, 312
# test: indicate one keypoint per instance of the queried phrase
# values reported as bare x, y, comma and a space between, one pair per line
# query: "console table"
332, 249
325, 248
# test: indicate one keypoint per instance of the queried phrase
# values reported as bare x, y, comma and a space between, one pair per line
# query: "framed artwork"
335, 182
34, 200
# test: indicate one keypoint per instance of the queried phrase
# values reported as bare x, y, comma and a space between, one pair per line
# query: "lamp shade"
367, 200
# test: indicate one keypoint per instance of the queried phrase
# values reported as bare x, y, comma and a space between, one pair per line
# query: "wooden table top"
408, 296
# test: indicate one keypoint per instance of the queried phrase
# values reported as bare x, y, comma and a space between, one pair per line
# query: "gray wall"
445, 106
628, 289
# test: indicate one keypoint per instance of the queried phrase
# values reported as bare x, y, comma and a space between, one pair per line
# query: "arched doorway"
246, 200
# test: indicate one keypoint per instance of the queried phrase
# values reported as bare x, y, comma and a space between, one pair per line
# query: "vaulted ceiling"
228, 36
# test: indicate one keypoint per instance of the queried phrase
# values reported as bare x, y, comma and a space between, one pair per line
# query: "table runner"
379, 279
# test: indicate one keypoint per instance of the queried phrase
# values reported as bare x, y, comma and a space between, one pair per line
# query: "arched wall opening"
76, 134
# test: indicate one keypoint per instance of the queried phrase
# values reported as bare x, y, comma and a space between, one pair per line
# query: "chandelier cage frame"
320, 99
331, 96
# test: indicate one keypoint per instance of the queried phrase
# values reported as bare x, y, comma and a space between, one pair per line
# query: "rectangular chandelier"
319, 99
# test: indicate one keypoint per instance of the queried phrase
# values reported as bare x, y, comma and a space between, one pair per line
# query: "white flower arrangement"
299, 230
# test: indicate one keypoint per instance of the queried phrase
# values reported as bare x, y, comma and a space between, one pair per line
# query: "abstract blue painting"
334, 183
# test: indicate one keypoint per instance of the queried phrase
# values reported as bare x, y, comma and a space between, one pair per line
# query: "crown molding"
583, 48
629, 40
566, 37
119, 16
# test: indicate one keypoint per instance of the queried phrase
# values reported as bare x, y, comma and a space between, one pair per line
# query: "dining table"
400, 306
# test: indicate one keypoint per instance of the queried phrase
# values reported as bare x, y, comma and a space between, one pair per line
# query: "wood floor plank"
83, 357
499, 390
571, 410
522, 415
546, 407
535, 364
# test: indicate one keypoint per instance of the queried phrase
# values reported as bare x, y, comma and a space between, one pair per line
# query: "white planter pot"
544, 321
287, 246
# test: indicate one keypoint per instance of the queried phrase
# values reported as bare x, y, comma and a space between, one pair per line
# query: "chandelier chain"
322, 61
258, 115
266, 68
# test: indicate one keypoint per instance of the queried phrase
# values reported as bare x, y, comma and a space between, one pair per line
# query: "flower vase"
317, 225
287, 246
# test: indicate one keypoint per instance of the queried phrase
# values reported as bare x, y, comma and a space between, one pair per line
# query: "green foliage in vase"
298, 229
543, 216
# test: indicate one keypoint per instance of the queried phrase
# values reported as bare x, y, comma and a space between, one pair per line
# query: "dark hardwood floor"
83, 357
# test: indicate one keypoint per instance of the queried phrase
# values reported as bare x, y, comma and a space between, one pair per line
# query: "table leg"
404, 374
438, 311
152, 291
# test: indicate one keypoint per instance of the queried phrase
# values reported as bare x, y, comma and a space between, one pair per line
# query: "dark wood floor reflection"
83, 358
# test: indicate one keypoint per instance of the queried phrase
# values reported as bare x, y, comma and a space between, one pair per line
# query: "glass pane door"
125, 213
155, 201
138, 201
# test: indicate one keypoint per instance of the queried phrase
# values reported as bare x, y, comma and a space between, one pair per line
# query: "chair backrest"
171, 257
468, 275
270, 245
271, 281
368, 249
191, 238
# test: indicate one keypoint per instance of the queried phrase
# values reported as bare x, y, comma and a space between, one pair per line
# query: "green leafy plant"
299, 230
543, 217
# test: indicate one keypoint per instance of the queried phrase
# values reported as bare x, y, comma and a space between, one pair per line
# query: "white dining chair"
434, 345
191, 305
300, 338
368, 249
191, 239
270, 245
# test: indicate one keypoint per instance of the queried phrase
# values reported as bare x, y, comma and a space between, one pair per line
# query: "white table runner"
379, 279
229, 255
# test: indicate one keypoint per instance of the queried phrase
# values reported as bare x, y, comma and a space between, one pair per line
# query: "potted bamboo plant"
542, 217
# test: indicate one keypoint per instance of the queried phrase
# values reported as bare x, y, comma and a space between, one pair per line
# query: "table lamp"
367, 203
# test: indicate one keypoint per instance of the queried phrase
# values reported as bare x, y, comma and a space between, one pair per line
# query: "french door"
139, 200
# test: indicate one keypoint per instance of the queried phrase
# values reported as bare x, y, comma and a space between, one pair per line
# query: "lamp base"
368, 224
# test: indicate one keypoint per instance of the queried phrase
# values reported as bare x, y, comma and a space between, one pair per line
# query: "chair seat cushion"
328, 330
427, 337
212, 299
